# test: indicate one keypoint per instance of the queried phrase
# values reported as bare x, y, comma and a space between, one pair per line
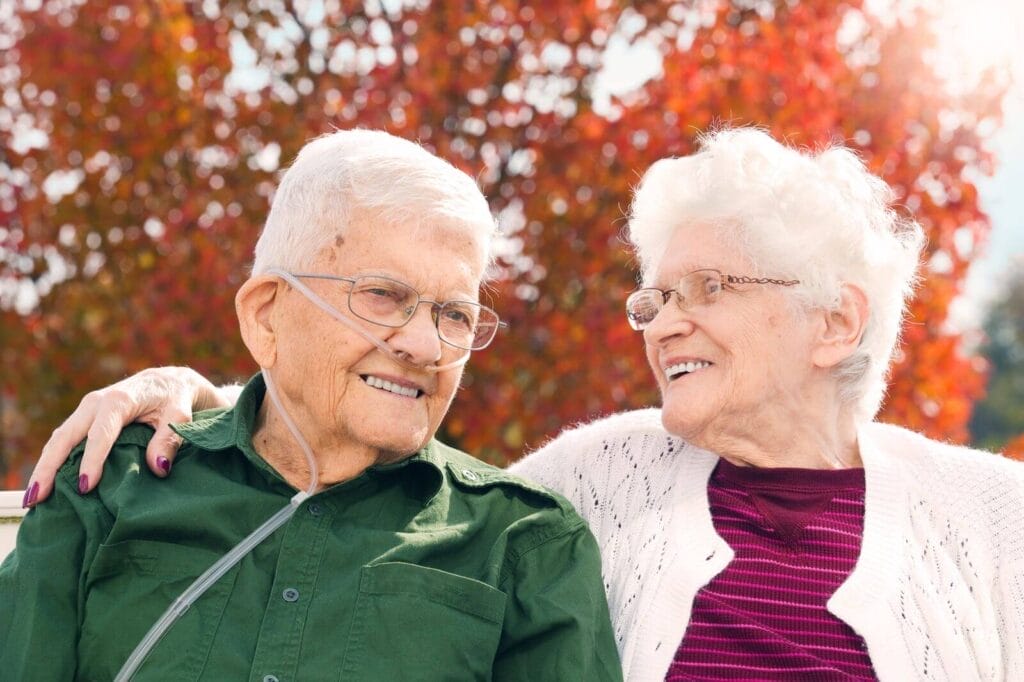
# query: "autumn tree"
1015, 448
139, 143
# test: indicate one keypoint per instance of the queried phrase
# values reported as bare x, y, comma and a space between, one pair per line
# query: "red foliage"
136, 97
1015, 448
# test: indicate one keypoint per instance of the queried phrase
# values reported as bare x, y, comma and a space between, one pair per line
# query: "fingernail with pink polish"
30, 495
164, 464
83, 484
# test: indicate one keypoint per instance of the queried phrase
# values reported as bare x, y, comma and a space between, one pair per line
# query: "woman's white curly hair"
819, 217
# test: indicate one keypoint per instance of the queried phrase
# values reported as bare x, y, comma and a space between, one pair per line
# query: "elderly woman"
761, 525
404, 558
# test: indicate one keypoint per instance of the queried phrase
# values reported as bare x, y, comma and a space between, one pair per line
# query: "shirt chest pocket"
129, 586
417, 623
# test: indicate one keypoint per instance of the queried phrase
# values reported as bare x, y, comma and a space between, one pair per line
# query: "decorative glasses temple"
700, 287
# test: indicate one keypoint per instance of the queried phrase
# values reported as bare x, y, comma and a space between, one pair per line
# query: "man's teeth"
377, 382
685, 368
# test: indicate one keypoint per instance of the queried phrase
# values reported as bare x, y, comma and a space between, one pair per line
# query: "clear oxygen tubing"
214, 573
359, 329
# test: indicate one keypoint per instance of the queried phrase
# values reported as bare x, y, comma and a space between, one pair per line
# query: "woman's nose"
670, 321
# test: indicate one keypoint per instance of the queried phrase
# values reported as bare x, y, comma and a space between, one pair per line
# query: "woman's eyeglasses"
700, 287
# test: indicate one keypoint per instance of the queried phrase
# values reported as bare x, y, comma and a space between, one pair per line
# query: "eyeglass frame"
725, 281
435, 306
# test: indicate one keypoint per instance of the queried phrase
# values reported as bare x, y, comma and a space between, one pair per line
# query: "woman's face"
749, 351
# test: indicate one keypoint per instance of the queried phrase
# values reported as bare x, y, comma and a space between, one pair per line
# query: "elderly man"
404, 558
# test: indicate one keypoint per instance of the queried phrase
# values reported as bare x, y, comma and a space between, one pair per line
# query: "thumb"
163, 446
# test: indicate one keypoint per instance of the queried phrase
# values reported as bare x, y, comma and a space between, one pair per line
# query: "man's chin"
394, 449
390, 456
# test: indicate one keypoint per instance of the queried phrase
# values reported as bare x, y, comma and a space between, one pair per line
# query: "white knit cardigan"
938, 590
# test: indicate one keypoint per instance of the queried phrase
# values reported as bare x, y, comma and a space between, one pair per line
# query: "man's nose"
418, 338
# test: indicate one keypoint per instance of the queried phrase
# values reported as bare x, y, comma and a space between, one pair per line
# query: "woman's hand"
158, 397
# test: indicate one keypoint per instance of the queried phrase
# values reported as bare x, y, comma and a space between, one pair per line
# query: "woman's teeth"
681, 368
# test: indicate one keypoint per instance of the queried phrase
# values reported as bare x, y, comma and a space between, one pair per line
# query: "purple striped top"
796, 536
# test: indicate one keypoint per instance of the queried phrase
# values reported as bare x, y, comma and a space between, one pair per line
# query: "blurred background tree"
140, 141
999, 417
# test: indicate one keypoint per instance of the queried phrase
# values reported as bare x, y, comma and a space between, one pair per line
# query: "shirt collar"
216, 430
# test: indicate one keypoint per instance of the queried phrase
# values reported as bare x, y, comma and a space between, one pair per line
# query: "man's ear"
254, 305
841, 328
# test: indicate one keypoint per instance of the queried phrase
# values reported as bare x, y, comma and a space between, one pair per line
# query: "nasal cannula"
356, 327
201, 584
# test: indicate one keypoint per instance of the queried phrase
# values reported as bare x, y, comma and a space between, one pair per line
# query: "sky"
1002, 198
973, 36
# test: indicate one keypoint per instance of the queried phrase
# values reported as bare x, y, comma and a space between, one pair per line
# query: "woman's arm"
159, 396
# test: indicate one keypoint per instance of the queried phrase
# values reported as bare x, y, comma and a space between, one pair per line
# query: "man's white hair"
370, 170
819, 217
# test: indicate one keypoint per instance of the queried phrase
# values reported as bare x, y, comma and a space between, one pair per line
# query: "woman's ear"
254, 305
842, 328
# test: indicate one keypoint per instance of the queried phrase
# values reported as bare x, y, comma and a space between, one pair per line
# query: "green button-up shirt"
439, 567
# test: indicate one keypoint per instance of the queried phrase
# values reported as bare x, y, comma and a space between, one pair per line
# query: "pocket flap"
455, 591
150, 557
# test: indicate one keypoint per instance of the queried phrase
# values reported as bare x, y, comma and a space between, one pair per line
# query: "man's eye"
458, 316
383, 294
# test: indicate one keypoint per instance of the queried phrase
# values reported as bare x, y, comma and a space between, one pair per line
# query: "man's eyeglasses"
391, 303
700, 287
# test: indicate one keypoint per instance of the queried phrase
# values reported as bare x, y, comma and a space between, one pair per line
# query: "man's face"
349, 394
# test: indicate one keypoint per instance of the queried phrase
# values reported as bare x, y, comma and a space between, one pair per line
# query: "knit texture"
796, 537
938, 590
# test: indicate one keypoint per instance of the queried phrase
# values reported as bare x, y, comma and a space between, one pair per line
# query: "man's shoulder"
136, 436
472, 474
519, 496
133, 438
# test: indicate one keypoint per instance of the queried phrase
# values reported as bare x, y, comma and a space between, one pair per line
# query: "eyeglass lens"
391, 303
700, 287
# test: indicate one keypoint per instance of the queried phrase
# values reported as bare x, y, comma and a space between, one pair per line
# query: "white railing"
10, 516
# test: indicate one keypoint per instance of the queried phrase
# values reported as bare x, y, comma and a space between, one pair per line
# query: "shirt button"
315, 509
270, 678
290, 594
469, 474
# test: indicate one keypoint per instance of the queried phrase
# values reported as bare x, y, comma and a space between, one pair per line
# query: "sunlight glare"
978, 37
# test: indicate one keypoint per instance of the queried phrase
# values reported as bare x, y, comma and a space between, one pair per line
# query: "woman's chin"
682, 423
